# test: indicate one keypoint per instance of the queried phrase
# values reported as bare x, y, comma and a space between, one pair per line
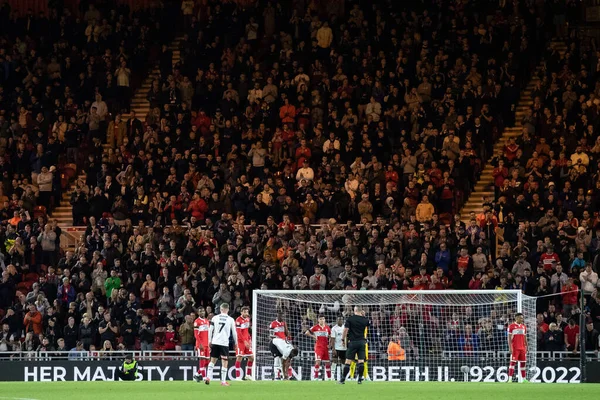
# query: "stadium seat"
159, 337
25, 286
151, 312
32, 277
70, 170
39, 211
64, 181
445, 218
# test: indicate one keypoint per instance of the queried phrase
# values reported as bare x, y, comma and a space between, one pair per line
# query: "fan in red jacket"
198, 207
202, 121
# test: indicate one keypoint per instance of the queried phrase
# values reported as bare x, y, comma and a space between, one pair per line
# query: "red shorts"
243, 351
321, 353
204, 353
519, 355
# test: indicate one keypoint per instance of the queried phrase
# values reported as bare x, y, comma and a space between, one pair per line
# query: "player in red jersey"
278, 329
517, 345
321, 333
244, 348
201, 326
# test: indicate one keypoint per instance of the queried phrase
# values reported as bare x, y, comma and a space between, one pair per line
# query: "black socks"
345, 372
360, 371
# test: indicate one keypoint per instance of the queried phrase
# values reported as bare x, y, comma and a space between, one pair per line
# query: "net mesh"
441, 336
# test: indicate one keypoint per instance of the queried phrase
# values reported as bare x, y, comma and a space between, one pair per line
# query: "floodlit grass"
293, 391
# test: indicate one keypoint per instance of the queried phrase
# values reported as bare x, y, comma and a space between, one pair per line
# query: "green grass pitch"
293, 391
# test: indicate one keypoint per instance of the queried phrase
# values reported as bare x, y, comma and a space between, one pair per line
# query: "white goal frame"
520, 297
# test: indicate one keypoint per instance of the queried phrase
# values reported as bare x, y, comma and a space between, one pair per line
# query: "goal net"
436, 335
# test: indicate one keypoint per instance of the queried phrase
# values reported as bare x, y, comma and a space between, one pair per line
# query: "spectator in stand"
554, 338
33, 320
70, 333
186, 334
66, 293
569, 297
425, 210
253, 125
572, 336
589, 280
86, 332
591, 337
146, 333
107, 329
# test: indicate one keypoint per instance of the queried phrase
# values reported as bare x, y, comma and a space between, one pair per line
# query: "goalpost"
444, 335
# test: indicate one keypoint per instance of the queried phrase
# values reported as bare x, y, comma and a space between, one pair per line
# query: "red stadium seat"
159, 337
70, 170
64, 181
25, 286
445, 218
39, 211
32, 277
151, 312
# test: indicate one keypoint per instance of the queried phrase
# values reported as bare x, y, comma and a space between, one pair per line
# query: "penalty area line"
16, 398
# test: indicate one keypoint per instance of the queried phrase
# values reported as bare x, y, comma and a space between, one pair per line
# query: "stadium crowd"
309, 146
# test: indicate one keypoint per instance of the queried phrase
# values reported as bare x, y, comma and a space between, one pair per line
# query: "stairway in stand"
485, 186
71, 234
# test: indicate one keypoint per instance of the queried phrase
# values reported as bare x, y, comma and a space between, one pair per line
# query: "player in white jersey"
283, 352
336, 343
222, 328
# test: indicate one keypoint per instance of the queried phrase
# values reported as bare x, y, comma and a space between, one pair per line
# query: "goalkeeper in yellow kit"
353, 365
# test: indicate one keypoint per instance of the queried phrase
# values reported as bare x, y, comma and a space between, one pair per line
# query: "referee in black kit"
354, 338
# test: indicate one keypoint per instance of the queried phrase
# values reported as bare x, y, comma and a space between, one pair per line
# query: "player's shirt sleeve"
196, 332
348, 323
234, 331
272, 329
211, 329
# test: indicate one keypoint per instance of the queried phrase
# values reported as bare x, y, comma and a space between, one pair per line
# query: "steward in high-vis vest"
395, 351
129, 369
